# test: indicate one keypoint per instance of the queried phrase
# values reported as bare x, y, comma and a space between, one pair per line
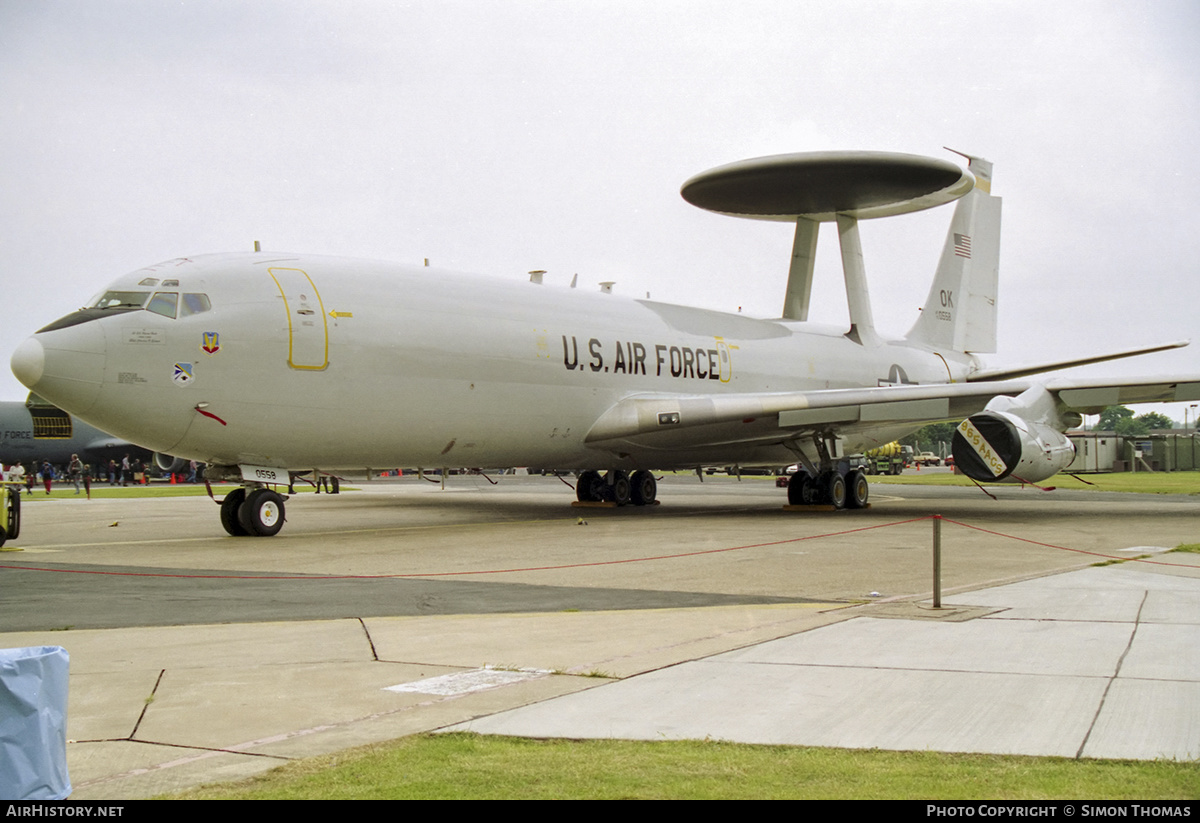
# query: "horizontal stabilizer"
1042, 368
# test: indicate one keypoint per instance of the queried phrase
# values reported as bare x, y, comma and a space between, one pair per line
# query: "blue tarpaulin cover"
33, 723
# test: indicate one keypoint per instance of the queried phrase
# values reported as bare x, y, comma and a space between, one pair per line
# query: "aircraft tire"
590, 487
805, 490
619, 488
645, 488
13, 524
858, 489
816, 490
262, 513
835, 490
813, 491
229, 512
795, 489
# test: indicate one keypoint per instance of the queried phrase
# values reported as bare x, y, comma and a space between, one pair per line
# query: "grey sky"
505, 136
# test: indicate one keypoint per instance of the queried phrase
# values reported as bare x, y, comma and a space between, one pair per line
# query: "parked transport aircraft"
34, 431
264, 364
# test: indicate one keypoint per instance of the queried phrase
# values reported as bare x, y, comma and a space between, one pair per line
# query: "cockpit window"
164, 303
194, 304
121, 300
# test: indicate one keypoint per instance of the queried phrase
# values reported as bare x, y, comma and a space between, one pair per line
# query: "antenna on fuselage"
828, 187
257, 247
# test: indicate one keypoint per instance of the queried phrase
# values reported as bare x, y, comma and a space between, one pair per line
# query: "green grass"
458, 766
65, 492
1140, 482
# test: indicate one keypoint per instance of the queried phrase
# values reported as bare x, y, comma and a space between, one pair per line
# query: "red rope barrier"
1068, 548
477, 571
675, 556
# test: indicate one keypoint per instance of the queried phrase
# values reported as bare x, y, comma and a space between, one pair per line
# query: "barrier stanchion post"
937, 561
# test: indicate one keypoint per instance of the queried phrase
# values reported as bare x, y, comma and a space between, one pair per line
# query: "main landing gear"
257, 512
640, 489
829, 488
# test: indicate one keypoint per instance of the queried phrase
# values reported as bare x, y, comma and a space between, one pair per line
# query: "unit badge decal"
211, 343
183, 374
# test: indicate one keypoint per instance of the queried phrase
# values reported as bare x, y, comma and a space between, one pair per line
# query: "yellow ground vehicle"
10, 521
887, 459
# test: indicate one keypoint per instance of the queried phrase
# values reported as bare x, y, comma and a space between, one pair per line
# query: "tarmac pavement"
1035, 651
1098, 663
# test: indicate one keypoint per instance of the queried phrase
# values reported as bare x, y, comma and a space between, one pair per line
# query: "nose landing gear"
259, 513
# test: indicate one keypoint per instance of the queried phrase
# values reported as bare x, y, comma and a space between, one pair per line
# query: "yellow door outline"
726, 362
308, 342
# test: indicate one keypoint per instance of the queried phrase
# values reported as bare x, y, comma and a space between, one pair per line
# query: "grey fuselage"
317, 362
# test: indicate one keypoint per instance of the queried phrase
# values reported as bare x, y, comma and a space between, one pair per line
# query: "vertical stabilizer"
960, 312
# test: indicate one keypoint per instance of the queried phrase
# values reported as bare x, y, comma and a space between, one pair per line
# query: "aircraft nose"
64, 367
28, 362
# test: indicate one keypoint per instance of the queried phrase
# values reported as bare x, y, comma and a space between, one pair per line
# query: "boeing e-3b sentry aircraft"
262, 364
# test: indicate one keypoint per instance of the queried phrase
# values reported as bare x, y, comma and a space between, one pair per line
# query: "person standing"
75, 471
47, 475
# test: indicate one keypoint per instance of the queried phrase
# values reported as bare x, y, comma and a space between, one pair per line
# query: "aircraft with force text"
264, 365
35, 431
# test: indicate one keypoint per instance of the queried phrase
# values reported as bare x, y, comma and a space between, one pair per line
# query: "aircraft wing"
674, 421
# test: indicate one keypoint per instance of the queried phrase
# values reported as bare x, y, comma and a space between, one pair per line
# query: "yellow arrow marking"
336, 314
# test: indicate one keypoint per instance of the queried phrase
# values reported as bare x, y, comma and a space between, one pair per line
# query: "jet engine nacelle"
1017, 439
170, 465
